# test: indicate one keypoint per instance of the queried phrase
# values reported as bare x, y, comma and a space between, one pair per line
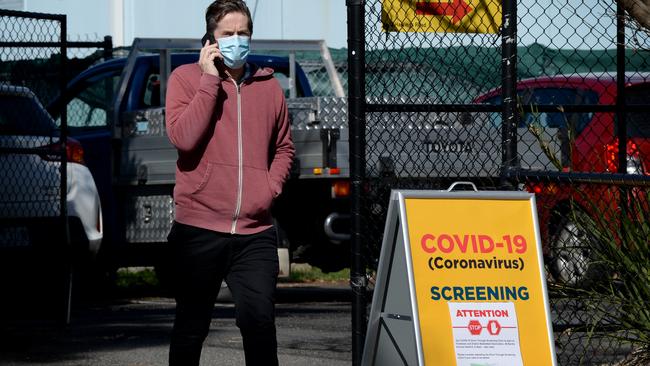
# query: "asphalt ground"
313, 321
133, 328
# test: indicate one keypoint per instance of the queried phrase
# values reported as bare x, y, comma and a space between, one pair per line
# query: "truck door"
148, 157
147, 162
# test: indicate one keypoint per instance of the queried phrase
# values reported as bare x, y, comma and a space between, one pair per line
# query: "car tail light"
633, 161
611, 156
340, 188
534, 188
542, 188
74, 151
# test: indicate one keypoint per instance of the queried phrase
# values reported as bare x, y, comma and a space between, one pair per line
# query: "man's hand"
210, 53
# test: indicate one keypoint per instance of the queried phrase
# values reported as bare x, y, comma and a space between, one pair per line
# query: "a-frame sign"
460, 282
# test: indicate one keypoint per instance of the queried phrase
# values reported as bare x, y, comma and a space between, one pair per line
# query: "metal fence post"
509, 90
108, 47
621, 118
621, 131
356, 119
68, 274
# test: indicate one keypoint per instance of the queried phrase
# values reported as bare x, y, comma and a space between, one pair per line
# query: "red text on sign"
473, 243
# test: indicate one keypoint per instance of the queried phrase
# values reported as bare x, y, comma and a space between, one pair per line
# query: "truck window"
151, 93
284, 82
90, 106
283, 79
550, 96
282, 76
638, 123
558, 97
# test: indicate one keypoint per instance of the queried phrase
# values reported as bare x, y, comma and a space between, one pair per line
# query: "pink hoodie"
234, 148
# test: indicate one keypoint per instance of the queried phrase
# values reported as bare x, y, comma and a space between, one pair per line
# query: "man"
228, 120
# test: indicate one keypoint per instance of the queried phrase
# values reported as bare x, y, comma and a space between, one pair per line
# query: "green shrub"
620, 298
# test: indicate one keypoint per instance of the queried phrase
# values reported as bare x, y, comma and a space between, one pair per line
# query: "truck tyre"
572, 254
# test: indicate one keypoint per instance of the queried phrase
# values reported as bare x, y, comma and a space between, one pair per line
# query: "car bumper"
83, 204
44, 235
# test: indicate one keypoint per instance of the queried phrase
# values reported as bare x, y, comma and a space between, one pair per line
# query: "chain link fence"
314, 68
33, 159
36, 62
313, 65
31, 52
32, 146
571, 80
32, 74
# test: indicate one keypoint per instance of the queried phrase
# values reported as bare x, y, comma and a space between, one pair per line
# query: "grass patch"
302, 274
134, 280
139, 282
130, 279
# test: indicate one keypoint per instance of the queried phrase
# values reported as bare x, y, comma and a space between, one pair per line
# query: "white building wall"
126, 19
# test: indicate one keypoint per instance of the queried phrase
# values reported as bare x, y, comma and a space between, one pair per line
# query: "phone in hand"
218, 63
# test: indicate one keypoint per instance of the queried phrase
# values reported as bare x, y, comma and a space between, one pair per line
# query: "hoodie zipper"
240, 164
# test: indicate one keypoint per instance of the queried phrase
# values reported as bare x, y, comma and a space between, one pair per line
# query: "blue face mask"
234, 50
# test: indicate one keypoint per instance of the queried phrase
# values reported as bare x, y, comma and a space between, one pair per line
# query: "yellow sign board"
468, 250
461, 278
454, 16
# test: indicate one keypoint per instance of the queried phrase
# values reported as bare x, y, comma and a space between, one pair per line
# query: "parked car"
30, 183
589, 144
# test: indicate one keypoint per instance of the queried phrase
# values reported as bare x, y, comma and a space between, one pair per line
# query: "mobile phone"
218, 63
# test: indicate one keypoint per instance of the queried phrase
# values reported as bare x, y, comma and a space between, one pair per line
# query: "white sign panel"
485, 333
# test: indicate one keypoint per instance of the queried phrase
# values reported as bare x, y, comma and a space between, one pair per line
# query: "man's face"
232, 24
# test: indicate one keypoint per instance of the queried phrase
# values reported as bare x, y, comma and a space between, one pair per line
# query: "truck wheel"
572, 254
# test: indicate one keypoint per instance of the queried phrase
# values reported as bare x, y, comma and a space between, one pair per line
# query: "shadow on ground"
31, 328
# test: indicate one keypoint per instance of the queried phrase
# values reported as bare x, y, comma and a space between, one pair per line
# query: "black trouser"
201, 260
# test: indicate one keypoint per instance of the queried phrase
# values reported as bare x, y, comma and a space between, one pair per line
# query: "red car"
589, 144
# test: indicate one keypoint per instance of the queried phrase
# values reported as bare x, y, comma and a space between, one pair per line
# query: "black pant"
201, 259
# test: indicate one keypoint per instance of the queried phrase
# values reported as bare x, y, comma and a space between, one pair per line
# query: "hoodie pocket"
257, 194
204, 180
269, 185
216, 192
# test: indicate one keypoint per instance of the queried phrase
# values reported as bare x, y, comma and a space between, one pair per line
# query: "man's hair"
220, 8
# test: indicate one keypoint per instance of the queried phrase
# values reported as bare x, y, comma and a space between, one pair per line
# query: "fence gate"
33, 151
532, 95
35, 66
